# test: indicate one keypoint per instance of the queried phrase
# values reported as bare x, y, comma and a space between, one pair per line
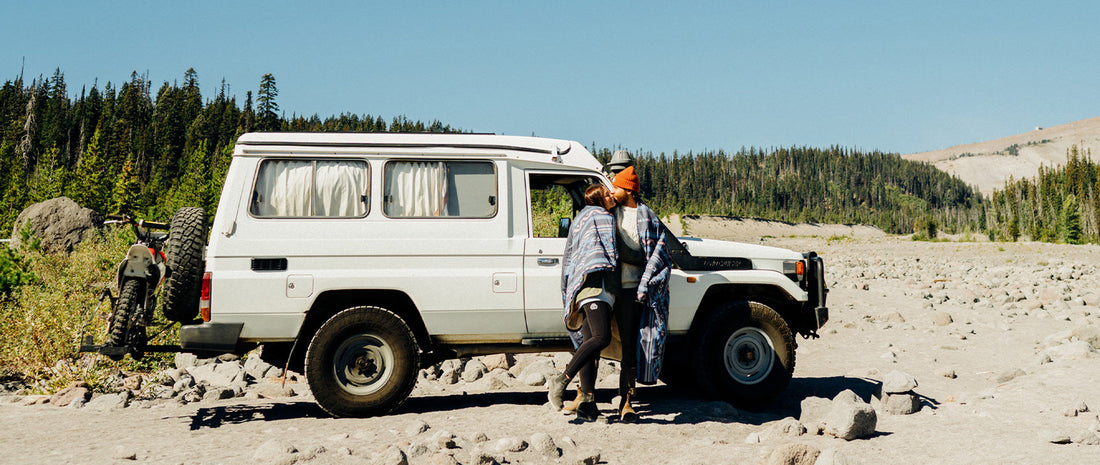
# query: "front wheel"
362, 362
745, 354
127, 325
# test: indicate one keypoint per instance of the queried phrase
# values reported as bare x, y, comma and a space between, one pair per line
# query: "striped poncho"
589, 248
653, 293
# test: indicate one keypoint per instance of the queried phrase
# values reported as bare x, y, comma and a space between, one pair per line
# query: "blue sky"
656, 76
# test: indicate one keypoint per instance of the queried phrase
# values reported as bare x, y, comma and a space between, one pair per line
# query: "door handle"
548, 261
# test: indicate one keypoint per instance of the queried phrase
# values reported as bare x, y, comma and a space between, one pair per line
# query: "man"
641, 308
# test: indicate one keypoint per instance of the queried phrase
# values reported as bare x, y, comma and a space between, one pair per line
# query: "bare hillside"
988, 164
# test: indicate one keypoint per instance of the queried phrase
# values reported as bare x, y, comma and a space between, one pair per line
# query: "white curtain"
416, 189
339, 187
286, 188
283, 188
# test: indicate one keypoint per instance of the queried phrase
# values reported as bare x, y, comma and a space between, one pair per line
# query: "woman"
589, 282
641, 309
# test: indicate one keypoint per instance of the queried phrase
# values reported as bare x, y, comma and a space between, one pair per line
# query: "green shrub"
13, 271
42, 322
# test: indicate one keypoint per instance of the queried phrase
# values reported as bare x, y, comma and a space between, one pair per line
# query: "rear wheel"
745, 354
186, 239
127, 325
362, 362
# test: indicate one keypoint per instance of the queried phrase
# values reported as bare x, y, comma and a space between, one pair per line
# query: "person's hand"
641, 298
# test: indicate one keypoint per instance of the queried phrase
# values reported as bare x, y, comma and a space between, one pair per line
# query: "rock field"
934, 353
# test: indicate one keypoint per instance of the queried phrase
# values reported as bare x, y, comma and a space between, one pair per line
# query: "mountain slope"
988, 164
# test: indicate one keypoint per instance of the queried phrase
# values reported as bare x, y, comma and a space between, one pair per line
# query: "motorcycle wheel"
127, 326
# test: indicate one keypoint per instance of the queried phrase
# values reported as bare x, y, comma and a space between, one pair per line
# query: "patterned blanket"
653, 293
590, 247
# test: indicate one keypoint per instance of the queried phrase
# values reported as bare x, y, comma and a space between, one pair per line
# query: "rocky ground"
994, 346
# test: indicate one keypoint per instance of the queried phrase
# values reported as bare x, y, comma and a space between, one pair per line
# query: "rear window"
311, 189
440, 189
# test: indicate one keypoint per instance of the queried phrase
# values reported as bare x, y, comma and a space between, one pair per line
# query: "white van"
360, 258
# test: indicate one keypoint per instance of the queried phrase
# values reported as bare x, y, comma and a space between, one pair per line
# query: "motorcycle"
139, 275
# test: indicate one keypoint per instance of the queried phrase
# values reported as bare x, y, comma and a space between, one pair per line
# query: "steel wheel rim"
363, 364
749, 355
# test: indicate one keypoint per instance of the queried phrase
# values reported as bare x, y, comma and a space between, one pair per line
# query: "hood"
763, 257
714, 248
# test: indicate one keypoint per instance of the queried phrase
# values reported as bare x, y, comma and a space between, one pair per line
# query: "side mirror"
563, 227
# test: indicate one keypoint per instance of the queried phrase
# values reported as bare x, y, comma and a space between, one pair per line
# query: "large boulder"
59, 223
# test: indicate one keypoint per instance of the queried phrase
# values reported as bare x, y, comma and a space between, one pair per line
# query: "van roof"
536, 149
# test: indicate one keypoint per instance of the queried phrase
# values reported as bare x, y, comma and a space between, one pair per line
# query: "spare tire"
186, 240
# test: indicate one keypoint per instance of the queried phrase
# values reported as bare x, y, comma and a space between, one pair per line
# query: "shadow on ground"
656, 404
213, 417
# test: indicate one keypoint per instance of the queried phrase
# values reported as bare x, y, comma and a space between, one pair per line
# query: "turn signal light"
795, 270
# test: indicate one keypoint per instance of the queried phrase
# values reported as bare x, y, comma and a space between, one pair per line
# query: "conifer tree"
267, 109
126, 195
92, 186
191, 189
1070, 221
15, 184
49, 177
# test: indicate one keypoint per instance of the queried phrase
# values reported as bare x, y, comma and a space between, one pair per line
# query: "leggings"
628, 315
596, 332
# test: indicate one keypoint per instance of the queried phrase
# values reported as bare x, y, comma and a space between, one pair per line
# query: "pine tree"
92, 186
191, 188
267, 109
49, 177
1070, 221
1014, 228
248, 116
126, 195
15, 187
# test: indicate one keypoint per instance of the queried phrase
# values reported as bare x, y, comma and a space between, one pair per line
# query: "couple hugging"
614, 285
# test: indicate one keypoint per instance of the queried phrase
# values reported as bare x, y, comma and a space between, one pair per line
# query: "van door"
551, 196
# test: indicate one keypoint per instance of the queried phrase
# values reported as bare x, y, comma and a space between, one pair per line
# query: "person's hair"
594, 195
637, 196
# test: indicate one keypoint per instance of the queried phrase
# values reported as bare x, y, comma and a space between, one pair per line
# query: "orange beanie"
626, 179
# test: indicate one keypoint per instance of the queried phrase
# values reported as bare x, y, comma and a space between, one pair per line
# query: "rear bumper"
211, 337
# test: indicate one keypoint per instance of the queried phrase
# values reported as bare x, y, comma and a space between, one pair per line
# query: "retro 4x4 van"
361, 258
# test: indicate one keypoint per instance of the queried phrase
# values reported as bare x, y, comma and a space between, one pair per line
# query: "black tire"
362, 362
186, 239
745, 354
127, 325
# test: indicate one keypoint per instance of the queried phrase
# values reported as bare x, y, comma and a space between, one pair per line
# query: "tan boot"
587, 410
571, 407
626, 412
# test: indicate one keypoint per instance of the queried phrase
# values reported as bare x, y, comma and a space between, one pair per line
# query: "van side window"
311, 188
432, 189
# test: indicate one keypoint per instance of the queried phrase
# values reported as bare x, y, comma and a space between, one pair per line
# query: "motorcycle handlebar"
152, 225
116, 219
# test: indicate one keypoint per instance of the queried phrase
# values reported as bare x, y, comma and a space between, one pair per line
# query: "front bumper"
815, 287
211, 337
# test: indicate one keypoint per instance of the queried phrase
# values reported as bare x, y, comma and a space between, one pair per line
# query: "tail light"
204, 297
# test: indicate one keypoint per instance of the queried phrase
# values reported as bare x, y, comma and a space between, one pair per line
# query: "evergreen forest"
135, 149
